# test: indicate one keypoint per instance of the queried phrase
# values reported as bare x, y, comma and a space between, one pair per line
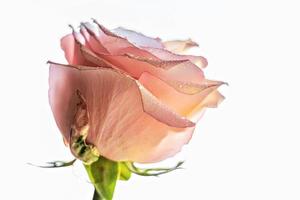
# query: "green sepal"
85, 152
55, 164
125, 173
104, 174
152, 171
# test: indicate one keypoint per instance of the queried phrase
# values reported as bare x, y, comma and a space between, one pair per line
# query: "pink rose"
135, 98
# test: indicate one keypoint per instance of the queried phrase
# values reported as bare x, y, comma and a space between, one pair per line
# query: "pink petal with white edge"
177, 73
126, 122
135, 66
71, 45
180, 74
115, 44
98, 40
168, 55
178, 70
179, 46
183, 76
138, 39
91, 40
62, 98
212, 100
110, 39
184, 104
72, 50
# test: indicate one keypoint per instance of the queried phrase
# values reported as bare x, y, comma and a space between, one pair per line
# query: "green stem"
103, 174
97, 196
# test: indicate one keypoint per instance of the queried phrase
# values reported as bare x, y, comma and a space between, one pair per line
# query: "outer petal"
126, 122
179, 46
123, 41
99, 38
92, 41
114, 45
72, 50
135, 65
95, 59
138, 39
187, 105
212, 100
117, 45
167, 55
62, 98
183, 76
71, 45
176, 72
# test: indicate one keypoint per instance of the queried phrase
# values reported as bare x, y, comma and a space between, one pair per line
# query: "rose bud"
126, 96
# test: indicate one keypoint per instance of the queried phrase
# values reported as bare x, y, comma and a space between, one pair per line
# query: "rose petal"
126, 121
182, 75
167, 55
92, 41
190, 76
178, 75
72, 50
138, 39
179, 46
157, 63
161, 112
118, 46
212, 100
95, 59
71, 45
122, 60
62, 99
135, 66
115, 45
193, 88
184, 104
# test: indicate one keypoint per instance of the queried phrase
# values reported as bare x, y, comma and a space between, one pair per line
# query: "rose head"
133, 97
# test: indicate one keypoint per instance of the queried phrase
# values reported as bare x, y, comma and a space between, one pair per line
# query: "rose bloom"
135, 98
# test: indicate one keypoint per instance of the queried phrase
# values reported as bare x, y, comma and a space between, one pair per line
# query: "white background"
248, 148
